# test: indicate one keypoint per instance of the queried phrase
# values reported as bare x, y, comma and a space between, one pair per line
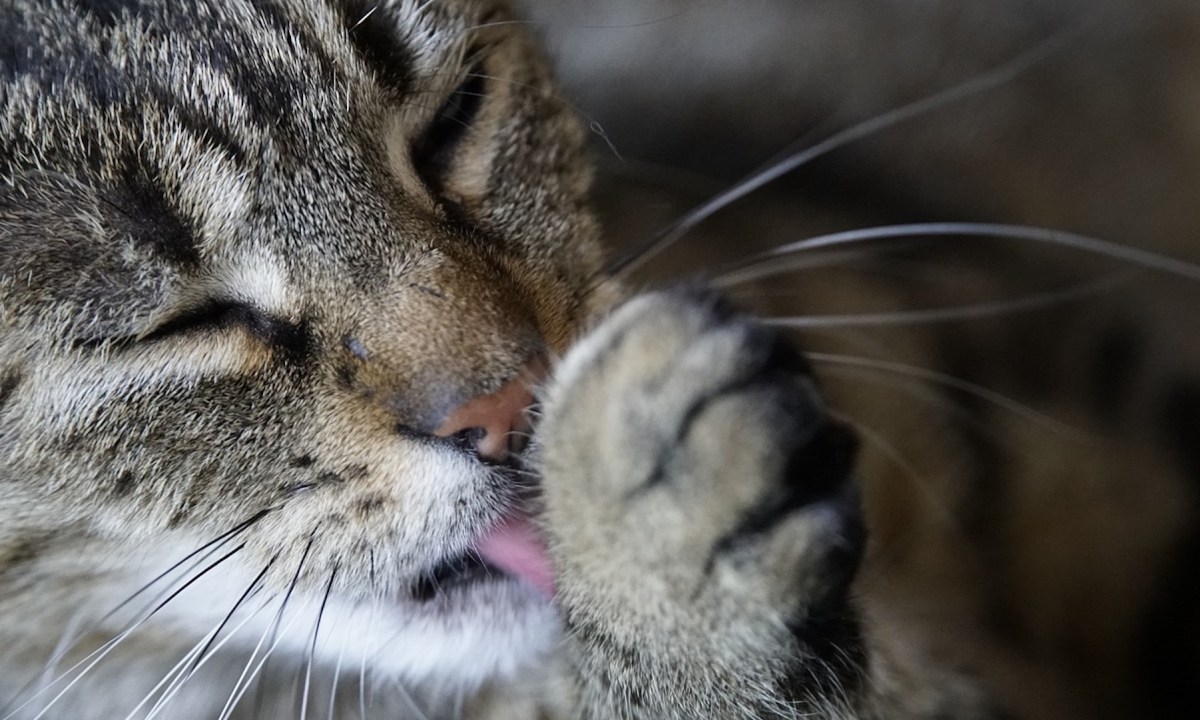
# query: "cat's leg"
702, 519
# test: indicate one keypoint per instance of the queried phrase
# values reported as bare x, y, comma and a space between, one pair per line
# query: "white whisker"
98, 655
873, 126
1074, 241
312, 648
199, 656
275, 637
337, 674
956, 383
1026, 303
198, 557
208, 649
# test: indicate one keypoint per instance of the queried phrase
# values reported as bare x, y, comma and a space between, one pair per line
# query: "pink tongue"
515, 546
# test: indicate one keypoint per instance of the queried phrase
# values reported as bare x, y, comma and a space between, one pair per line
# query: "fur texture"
254, 254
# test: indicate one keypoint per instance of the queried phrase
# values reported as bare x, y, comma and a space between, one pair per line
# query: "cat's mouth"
514, 547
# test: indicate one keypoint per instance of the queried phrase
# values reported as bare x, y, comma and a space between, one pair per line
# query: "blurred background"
1030, 411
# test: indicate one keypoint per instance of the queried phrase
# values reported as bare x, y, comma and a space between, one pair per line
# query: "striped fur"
252, 252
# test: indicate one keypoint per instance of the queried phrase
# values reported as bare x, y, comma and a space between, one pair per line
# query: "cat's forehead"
233, 73
231, 116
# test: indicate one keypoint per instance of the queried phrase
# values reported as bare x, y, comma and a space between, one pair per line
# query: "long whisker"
253, 588
976, 86
198, 659
337, 674
262, 640
312, 648
956, 383
243, 683
200, 554
100, 653
1073, 241
70, 636
221, 539
170, 677
362, 665
1025, 303
889, 450
200, 654
758, 267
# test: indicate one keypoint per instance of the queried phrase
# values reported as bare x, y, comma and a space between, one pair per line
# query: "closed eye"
213, 315
291, 337
433, 152
210, 316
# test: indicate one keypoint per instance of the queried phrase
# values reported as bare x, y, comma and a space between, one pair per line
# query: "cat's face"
247, 271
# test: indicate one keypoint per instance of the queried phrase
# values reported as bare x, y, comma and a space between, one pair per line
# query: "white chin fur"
472, 633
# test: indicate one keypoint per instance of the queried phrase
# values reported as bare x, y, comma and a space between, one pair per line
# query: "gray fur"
232, 312
226, 288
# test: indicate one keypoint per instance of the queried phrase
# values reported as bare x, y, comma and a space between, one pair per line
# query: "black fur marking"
182, 512
301, 461
108, 12
125, 484
20, 553
89, 68
372, 31
270, 95
343, 375
141, 209
200, 125
1115, 363
370, 505
9, 382
433, 152
271, 14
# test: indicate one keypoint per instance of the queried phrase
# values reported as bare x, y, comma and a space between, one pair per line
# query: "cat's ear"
79, 263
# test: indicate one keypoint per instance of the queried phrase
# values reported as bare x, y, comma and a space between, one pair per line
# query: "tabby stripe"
140, 208
270, 12
375, 40
8, 387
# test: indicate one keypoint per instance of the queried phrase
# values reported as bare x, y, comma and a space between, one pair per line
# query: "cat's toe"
689, 456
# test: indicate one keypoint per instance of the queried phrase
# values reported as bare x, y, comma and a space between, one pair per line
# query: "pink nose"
499, 419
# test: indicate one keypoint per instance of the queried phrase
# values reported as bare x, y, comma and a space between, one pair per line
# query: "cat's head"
253, 259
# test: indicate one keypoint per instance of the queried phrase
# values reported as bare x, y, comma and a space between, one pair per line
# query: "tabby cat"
319, 398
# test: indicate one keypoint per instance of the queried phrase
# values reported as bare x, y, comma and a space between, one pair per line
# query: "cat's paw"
701, 518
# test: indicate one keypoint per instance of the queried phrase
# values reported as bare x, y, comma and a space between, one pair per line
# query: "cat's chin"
481, 625
485, 626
